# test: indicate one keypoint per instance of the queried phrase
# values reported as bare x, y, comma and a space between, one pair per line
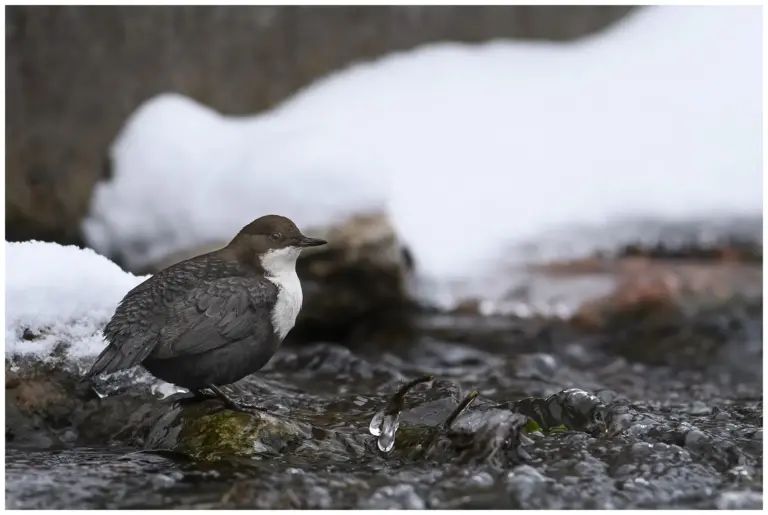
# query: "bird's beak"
311, 242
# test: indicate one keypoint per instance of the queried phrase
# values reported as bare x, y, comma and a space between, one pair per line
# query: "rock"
398, 497
642, 284
47, 407
355, 284
739, 500
638, 283
354, 287
206, 431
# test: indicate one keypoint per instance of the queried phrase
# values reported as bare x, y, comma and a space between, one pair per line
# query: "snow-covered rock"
58, 300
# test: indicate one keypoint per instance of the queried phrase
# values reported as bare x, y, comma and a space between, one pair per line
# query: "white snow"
474, 150
59, 295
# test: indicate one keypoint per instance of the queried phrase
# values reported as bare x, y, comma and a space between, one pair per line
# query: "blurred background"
520, 201
73, 75
566, 130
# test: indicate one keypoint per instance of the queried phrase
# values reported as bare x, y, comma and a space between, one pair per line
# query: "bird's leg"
234, 406
197, 396
201, 395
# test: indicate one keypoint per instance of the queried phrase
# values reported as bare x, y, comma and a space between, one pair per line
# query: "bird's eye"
275, 236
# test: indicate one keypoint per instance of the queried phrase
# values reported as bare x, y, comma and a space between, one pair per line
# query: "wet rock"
49, 407
721, 337
642, 284
728, 248
744, 500
445, 430
537, 365
483, 479
329, 361
203, 430
497, 442
319, 498
444, 359
525, 482
699, 408
399, 497
354, 287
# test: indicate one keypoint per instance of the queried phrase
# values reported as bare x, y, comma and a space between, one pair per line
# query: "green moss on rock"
533, 426
211, 435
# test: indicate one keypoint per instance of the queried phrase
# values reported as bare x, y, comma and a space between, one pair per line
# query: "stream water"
692, 388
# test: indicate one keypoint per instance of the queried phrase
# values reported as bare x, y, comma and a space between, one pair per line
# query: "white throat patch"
280, 268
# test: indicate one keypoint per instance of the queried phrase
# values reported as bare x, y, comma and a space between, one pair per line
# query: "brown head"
274, 242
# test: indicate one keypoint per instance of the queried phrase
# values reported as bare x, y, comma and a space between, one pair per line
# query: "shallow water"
692, 393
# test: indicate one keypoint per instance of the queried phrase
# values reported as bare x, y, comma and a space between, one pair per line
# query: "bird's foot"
195, 397
240, 407
243, 407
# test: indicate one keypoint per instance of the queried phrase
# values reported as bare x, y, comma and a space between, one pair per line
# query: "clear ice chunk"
389, 427
384, 426
376, 421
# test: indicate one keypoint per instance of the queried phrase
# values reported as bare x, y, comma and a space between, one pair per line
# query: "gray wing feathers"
215, 314
113, 359
131, 334
188, 320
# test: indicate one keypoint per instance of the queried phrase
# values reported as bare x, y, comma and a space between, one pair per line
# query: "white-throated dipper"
213, 319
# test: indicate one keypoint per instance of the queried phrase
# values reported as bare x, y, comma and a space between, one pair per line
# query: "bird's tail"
109, 361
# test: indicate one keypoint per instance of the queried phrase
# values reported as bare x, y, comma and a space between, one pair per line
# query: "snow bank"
56, 294
184, 175
473, 149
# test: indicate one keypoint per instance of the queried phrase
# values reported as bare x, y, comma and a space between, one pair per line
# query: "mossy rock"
205, 431
412, 440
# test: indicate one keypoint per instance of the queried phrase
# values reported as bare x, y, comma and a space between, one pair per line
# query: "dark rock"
48, 407
208, 432
356, 285
398, 497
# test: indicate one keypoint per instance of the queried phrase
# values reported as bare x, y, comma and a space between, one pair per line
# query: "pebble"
398, 497
69, 436
163, 480
590, 467
319, 498
524, 481
699, 408
482, 479
641, 448
739, 500
538, 363
526, 473
578, 353
694, 438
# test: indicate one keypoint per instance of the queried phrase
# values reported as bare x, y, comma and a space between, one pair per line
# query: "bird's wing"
132, 332
216, 313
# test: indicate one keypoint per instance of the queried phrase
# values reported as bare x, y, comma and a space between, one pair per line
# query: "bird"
213, 319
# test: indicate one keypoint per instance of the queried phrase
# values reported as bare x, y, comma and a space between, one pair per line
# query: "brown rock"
37, 394
46, 406
643, 283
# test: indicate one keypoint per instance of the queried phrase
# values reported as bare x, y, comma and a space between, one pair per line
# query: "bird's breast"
288, 305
